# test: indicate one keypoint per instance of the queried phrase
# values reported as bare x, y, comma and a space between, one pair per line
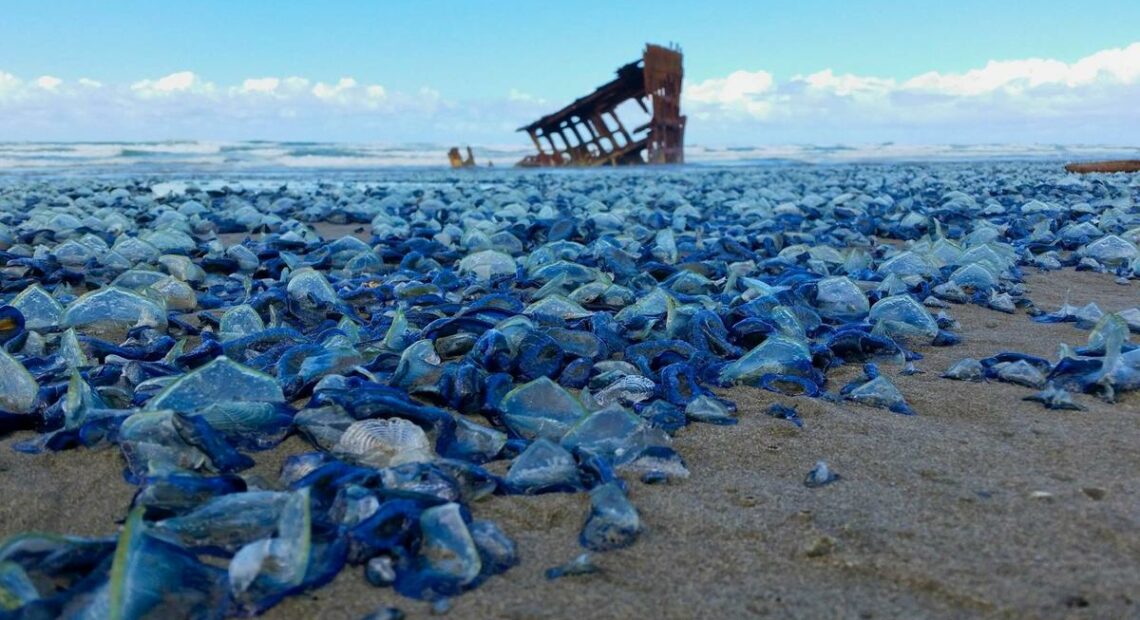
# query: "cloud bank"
1091, 100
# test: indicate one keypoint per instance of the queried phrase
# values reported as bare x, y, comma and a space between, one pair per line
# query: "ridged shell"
384, 443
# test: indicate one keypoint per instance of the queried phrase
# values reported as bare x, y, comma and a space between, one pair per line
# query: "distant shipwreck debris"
588, 132
1123, 165
457, 160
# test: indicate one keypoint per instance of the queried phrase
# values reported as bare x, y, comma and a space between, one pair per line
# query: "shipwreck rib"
1123, 165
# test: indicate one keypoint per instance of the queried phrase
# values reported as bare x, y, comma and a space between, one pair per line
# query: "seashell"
384, 443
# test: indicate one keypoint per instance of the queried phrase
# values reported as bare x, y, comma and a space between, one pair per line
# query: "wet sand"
982, 505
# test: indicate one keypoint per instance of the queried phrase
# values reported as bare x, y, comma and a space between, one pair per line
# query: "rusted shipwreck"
1122, 165
588, 132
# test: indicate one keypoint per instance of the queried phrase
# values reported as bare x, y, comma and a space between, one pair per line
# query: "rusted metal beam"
1122, 165
457, 160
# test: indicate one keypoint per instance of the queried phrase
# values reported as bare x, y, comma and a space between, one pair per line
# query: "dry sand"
935, 515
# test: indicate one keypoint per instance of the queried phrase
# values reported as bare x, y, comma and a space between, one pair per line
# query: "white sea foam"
217, 157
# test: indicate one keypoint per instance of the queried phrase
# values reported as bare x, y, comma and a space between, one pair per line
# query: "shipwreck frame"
588, 132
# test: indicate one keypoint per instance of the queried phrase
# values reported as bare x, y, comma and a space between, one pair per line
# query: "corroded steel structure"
1124, 165
457, 160
588, 132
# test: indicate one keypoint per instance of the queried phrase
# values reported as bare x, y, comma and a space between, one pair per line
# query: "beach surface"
982, 505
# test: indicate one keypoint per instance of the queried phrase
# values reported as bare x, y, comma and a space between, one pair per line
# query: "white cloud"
523, 97
1089, 100
740, 92
1113, 66
737, 87
180, 82
334, 92
260, 85
186, 105
847, 84
296, 83
9, 83
48, 82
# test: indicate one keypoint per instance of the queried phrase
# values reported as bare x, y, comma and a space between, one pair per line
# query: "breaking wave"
268, 156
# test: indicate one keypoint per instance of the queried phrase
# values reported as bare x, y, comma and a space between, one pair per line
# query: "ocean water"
195, 157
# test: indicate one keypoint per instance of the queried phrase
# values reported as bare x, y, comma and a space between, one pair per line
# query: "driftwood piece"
1120, 165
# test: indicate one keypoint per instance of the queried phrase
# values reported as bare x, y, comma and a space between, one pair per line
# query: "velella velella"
613, 521
876, 390
219, 382
39, 309
838, 298
18, 388
1054, 398
541, 409
901, 317
968, 369
820, 475
477, 340
543, 467
1020, 372
784, 412
581, 565
111, 311
777, 355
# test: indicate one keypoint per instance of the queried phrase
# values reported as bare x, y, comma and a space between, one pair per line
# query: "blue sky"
468, 71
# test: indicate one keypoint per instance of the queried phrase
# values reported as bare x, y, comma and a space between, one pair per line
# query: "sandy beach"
434, 260
982, 505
